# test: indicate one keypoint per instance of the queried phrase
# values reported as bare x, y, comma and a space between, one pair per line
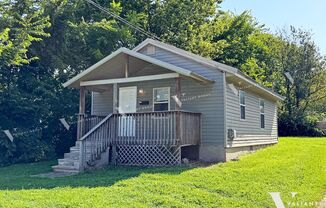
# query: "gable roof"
140, 56
207, 62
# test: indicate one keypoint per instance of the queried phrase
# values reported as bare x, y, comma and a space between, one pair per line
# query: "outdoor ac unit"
232, 133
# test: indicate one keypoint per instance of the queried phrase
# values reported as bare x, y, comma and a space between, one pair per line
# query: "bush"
33, 146
306, 126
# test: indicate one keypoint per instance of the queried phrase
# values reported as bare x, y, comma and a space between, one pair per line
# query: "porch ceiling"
113, 67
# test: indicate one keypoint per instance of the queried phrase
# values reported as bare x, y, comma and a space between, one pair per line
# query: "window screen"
242, 104
262, 113
161, 98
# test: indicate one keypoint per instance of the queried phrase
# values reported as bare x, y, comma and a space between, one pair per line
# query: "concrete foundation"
235, 152
103, 161
212, 153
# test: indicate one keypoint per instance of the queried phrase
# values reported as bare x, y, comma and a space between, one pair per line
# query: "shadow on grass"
17, 177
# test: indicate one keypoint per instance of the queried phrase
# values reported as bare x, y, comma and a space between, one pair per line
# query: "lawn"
293, 165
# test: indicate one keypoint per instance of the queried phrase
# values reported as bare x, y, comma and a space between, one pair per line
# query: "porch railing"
170, 128
96, 141
86, 123
157, 128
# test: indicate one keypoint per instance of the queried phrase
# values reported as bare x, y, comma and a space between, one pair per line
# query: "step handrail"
96, 127
94, 143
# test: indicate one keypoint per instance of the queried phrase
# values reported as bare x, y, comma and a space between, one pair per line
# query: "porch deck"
142, 138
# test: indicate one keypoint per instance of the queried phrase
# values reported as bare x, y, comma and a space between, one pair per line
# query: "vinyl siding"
102, 103
148, 87
206, 99
248, 131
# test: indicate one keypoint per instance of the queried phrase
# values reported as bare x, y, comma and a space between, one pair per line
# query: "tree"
21, 23
239, 41
81, 35
304, 75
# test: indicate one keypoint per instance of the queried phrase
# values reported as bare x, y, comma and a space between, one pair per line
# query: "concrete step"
68, 162
73, 156
74, 148
77, 143
65, 169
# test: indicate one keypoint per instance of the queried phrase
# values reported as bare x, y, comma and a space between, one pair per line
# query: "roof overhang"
242, 81
210, 63
75, 81
129, 79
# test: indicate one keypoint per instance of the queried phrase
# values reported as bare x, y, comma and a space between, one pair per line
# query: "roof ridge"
202, 59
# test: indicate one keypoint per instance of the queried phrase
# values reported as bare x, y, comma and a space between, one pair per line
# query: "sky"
277, 14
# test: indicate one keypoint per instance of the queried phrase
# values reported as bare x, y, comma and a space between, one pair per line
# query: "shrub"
33, 146
306, 126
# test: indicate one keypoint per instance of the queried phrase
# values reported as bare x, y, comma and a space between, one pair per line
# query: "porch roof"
116, 60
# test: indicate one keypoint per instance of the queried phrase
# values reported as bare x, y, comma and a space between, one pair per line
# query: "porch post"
115, 98
178, 91
115, 111
178, 108
81, 114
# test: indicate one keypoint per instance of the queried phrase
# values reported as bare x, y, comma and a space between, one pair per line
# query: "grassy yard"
294, 165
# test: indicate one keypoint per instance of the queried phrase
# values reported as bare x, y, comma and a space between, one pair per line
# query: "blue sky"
276, 14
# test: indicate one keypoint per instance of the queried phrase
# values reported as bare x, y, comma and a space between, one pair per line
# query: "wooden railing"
190, 128
86, 122
157, 128
96, 141
143, 128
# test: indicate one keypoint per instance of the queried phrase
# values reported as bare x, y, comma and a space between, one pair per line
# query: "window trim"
153, 97
260, 113
240, 104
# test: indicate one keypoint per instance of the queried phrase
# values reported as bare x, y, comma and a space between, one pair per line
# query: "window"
161, 99
262, 113
242, 104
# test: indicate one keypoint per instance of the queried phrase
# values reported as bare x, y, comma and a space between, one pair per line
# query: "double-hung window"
242, 98
161, 99
262, 113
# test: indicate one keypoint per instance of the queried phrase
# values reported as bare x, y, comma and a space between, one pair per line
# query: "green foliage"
231, 184
301, 127
33, 100
81, 35
241, 42
21, 23
299, 56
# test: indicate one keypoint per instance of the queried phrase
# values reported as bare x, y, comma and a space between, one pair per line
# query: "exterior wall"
147, 88
102, 103
206, 99
248, 131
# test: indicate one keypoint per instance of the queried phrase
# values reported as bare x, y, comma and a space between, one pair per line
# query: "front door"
127, 104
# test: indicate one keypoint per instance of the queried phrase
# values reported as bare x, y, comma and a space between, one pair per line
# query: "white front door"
127, 104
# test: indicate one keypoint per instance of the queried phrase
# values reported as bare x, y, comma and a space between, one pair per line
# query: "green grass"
293, 165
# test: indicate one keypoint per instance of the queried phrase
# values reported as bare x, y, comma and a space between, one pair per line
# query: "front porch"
143, 138
137, 118
145, 127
